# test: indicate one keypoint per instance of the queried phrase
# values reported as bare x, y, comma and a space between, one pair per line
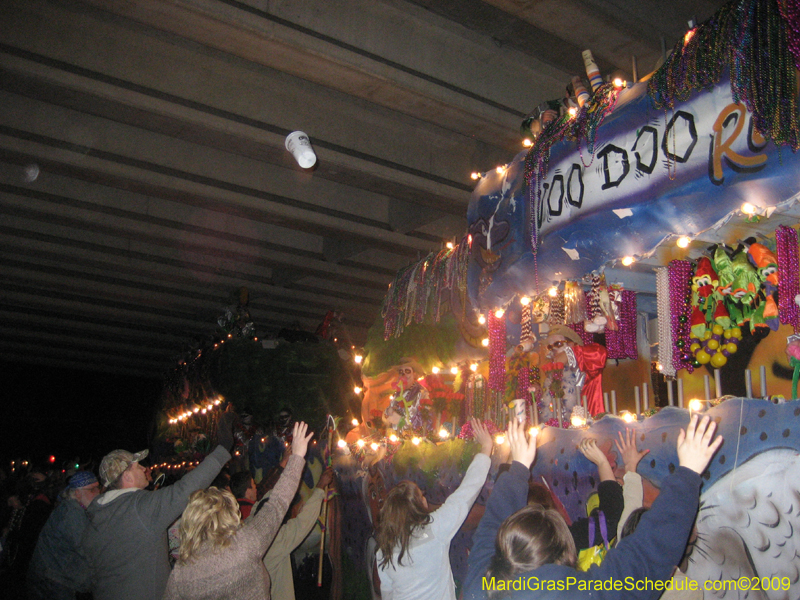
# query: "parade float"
637, 263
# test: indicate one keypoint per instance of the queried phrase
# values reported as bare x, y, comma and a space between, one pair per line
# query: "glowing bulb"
533, 432
454, 370
500, 439
525, 301
210, 406
443, 433
196, 410
628, 261
217, 402
341, 443
527, 143
360, 443
500, 170
577, 421
435, 370
683, 242
572, 111
354, 422
357, 390
357, 359
628, 417
552, 292
619, 82
688, 36
485, 342
499, 313
481, 319
748, 208
475, 175
473, 367
374, 446
415, 440
393, 438
695, 405
450, 245
204, 411
659, 367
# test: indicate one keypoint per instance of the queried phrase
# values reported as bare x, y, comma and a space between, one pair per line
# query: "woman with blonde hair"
414, 543
220, 557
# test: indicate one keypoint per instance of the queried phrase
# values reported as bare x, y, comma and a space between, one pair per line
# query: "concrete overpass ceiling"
143, 174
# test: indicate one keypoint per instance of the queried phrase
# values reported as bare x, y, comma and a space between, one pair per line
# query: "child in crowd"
533, 545
414, 544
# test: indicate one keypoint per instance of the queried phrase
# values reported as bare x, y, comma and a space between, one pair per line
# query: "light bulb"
341, 443
500, 439
358, 358
374, 446
481, 319
354, 422
443, 433
360, 443
415, 440
628, 261
475, 175
473, 367
683, 242
748, 208
393, 438
357, 390
450, 245
485, 342
435, 370
572, 111
552, 292
500, 170
619, 82
533, 432
525, 300
695, 405
527, 143
628, 417
454, 370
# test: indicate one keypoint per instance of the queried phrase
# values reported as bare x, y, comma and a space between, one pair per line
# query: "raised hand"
523, 449
626, 447
482, 436
695, 445
590, 450
300, 439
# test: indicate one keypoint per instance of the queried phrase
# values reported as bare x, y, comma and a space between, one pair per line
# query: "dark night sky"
68, 413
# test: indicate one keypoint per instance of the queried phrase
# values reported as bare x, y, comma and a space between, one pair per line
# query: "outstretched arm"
509, 495
448, 518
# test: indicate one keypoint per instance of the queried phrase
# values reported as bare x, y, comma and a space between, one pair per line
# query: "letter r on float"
720, 148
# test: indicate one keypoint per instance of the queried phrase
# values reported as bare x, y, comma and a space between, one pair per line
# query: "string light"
525, 300
357, 359
360, 443
683, 242
628, 261
533, 432
450, 245
374, 446
357, 390
481, 320
473, 367
415, 440
443, 433
393, 438
341, 443
527, 143
619, 82
454, 370
695, 405
475, 175
485, 342
552, 292
500, 169
500, 439
572, 111
435, 370
748, 209
628, 417
499, 313
354, 422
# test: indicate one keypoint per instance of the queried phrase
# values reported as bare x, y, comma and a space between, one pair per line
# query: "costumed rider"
571, 370
405, 410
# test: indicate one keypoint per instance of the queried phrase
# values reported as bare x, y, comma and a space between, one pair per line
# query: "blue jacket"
650, 553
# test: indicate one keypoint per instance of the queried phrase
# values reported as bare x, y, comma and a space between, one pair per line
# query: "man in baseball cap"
58, 568
126, 540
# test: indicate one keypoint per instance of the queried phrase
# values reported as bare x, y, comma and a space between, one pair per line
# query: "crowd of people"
106, 537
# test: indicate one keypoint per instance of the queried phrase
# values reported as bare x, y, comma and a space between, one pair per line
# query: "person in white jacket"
414, 544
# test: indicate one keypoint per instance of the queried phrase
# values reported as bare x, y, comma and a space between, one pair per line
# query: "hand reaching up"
325, 479
523, 450
300, 439
626, 447
590, 450
482, 436
695, 445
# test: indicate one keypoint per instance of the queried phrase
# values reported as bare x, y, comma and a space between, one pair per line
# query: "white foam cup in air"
299, 145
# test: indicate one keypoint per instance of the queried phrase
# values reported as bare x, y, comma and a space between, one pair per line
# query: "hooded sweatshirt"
126, 539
